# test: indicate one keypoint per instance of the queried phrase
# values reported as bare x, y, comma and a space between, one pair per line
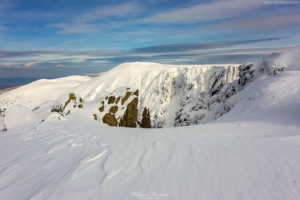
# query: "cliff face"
176, 96
187, 96
157, 96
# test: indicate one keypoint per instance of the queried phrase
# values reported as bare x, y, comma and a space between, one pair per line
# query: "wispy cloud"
75, 28
181, 53
205, 12
182, 47
12, 67
158, 49
86, 23
17, 54
119, 11
268, 23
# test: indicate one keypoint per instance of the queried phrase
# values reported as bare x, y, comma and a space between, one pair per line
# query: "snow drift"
17, 116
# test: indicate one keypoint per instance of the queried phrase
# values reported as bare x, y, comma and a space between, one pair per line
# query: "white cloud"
59, 65
28, 65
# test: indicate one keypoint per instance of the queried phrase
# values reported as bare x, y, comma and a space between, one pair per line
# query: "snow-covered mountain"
166, 95
247, 146
171, 95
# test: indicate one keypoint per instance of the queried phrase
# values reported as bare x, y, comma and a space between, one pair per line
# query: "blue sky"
57, 38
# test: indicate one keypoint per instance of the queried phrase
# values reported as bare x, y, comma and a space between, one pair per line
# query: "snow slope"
246, 154
250, 152
37, 92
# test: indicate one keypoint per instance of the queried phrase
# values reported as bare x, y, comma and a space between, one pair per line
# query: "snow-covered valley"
247, 148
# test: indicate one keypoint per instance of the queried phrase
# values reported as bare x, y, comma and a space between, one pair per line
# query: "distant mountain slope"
37, 92
15, 81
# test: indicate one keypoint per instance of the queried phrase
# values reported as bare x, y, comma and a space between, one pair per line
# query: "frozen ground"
252, 152
237, 160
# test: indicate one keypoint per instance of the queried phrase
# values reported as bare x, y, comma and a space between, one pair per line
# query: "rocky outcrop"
119, 108
110, 119
146, 121
245, 73
66, 103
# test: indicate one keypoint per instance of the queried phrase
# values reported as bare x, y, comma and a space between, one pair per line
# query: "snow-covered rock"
277, 62
66, 103
53, 116
17, 116
286, 60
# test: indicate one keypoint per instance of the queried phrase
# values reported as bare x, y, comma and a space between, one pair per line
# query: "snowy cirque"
153, 131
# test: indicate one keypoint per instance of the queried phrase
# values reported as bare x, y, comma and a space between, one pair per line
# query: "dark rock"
146, 121
113, 109
118, 99
111, 99
110, 119
101, 109
95, 117
127, 95
130, 116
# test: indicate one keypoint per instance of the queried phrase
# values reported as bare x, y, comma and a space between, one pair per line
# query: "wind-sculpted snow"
75, 159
